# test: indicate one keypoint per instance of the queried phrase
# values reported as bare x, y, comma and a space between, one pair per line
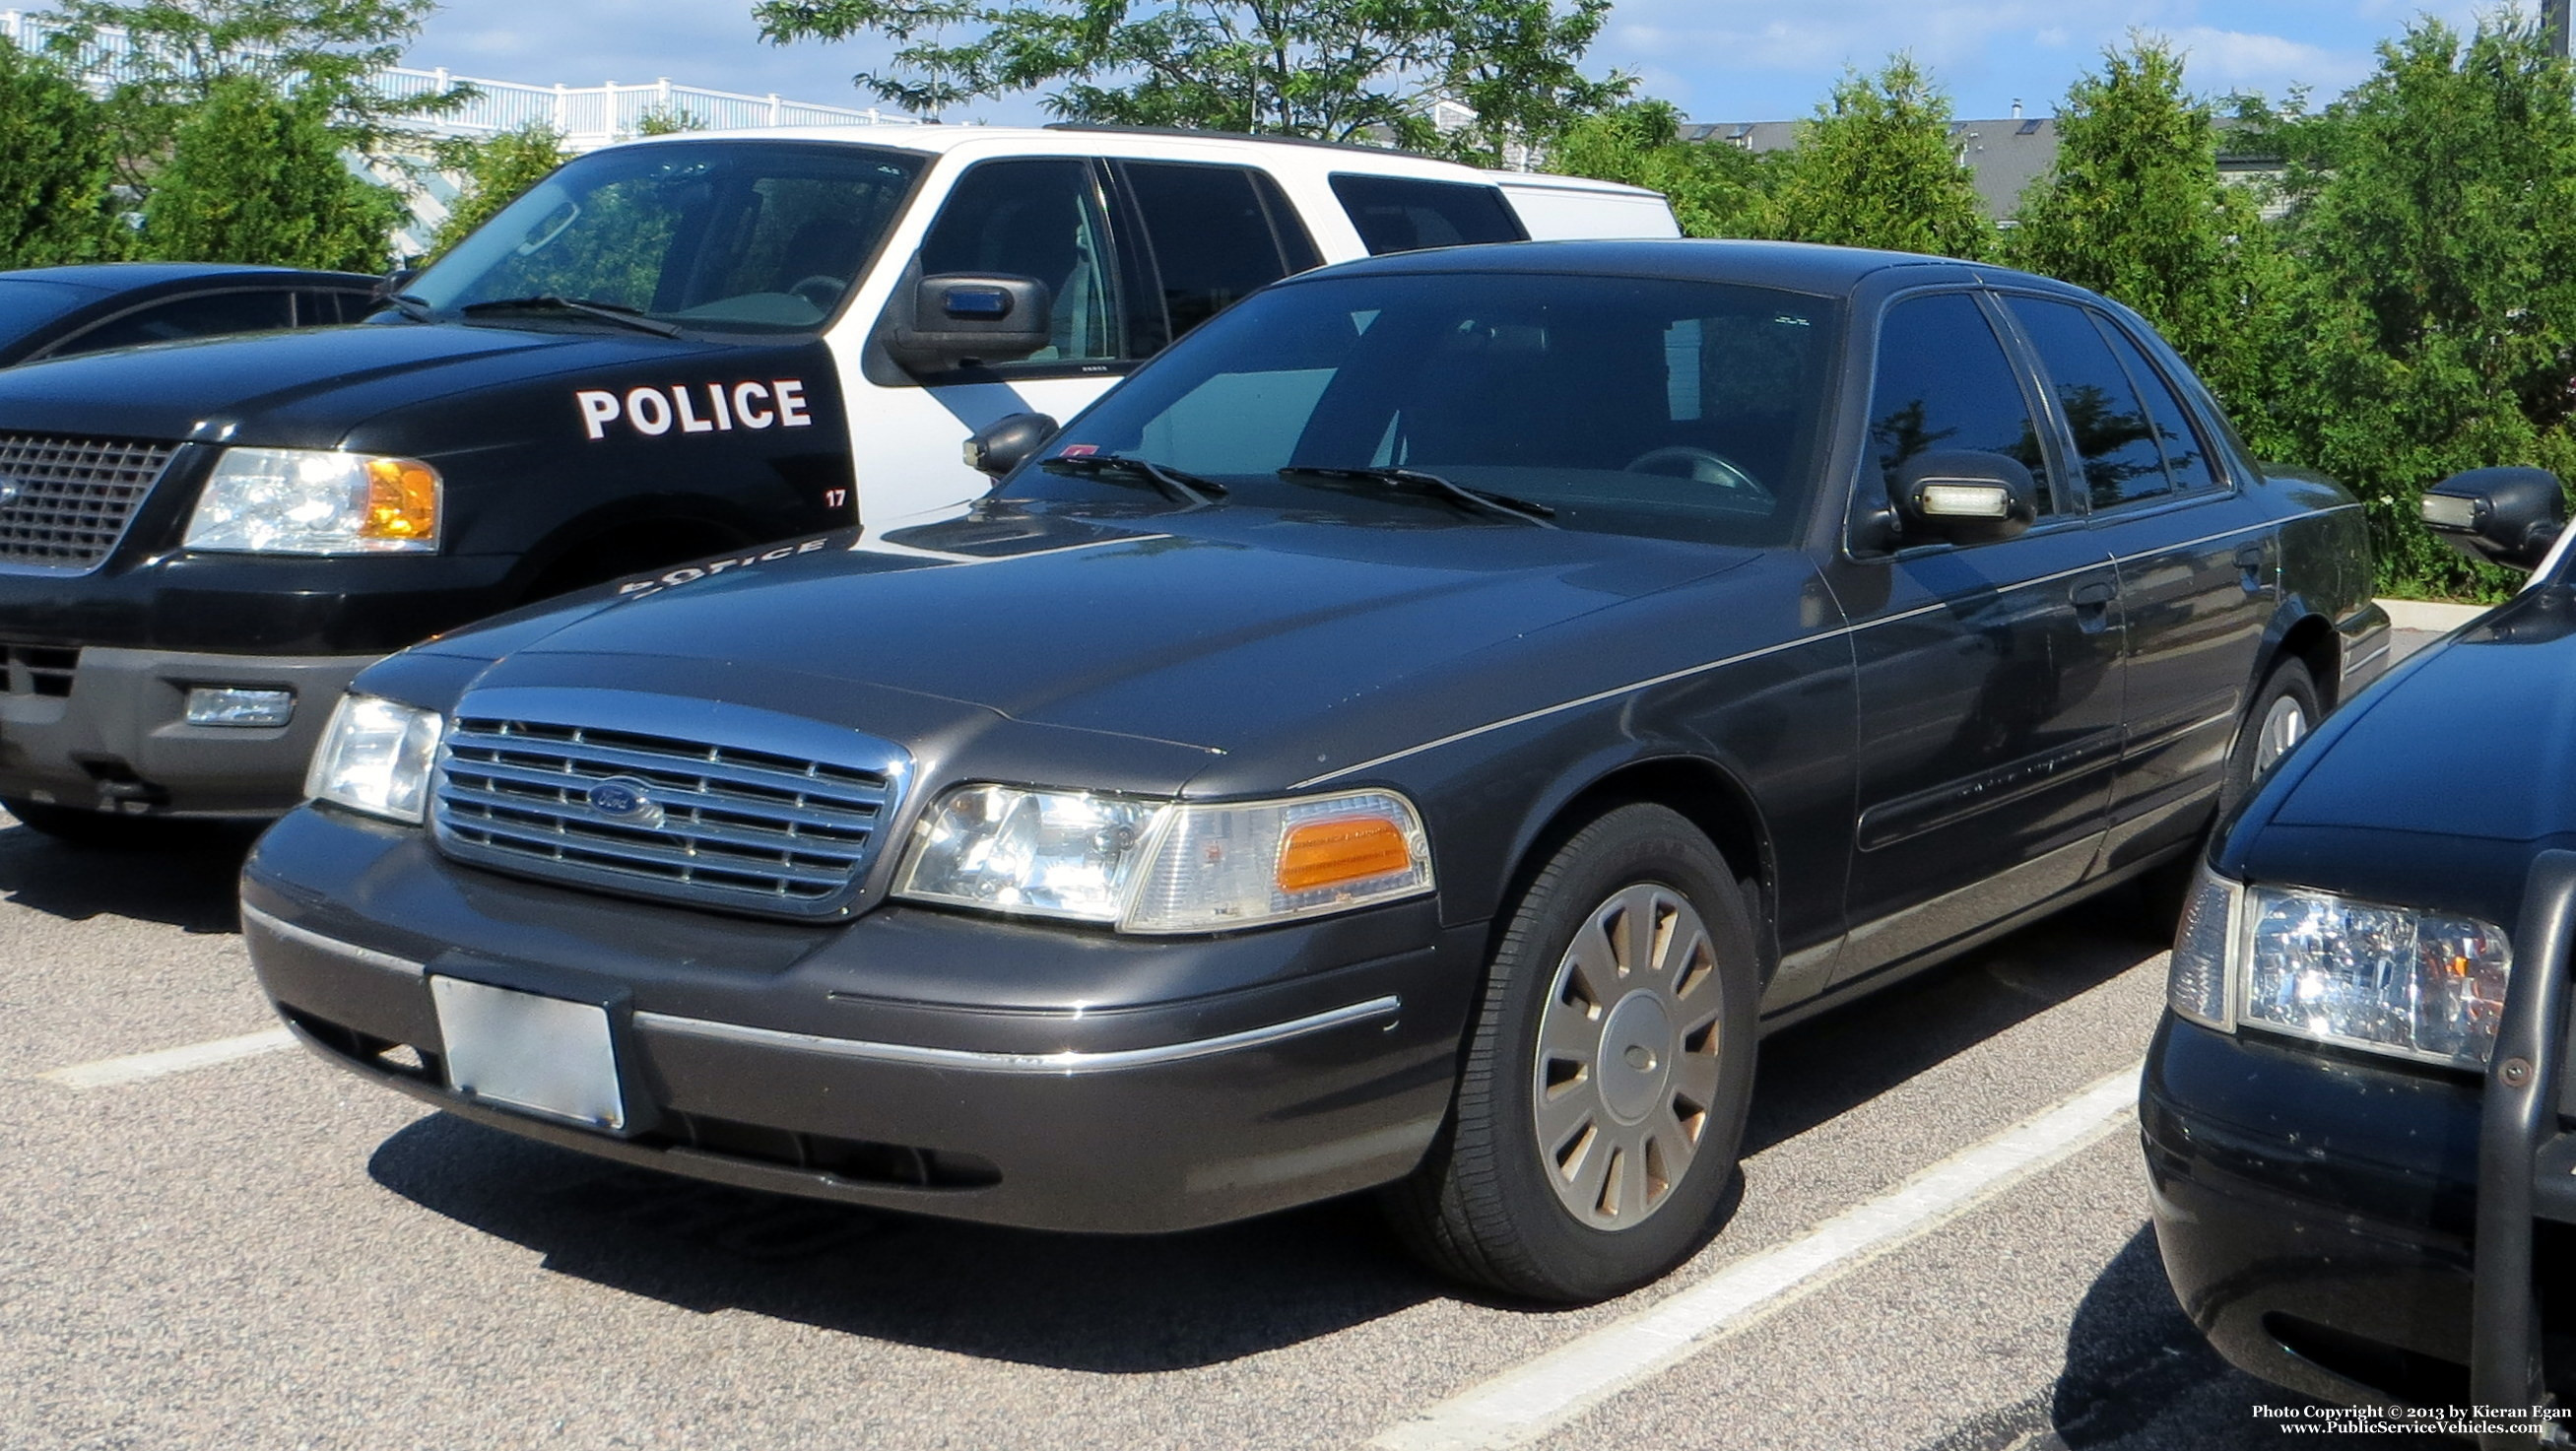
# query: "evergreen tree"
496, 171
2135, 210
2434, 330
254, 176
56, 165
1715, 190
1876, 168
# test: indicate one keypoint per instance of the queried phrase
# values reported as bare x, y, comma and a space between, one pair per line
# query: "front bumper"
912, 1059
106, 730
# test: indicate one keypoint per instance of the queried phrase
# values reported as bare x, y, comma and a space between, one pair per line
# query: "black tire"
2289, 686
103, 829
1485, 1206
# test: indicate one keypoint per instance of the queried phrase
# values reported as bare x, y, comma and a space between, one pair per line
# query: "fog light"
222, 705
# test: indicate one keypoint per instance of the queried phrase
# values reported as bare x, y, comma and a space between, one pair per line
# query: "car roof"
106, 277
1797, 266
1130, 142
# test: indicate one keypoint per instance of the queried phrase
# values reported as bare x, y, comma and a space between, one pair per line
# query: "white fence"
586, 116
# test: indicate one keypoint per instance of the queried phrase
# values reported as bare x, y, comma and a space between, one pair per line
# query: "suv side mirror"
2498, 516
1964, 497
1008, 442
392, 283
957, 319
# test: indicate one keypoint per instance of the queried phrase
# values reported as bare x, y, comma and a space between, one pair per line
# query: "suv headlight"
2413, 984
376, 757
316, 501
1148, 865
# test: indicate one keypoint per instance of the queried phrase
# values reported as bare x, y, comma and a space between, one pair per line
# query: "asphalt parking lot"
1941, 1244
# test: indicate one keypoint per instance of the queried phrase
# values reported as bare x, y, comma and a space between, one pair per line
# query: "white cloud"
2236, 60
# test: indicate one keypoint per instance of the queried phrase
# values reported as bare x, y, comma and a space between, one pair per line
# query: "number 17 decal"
836, 498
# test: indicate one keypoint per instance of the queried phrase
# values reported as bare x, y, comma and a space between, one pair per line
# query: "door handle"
2249, 568
2250, 557
2095, 595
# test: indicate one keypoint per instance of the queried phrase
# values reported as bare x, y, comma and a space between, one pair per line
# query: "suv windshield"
1686, 410
716, 235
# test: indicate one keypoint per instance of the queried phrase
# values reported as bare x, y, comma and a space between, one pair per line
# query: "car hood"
1210, 630
307, 388
2466, 742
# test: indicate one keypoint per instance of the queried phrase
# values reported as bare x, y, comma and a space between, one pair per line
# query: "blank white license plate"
541, 1054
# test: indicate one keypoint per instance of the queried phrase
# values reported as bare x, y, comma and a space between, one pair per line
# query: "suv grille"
719, 825
38, 669
68, 500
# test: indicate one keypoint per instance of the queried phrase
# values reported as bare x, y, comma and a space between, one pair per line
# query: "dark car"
2356, 1109
1419, 731
62, 312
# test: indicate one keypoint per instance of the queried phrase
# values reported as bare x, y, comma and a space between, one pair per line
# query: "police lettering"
692, 573
696, 408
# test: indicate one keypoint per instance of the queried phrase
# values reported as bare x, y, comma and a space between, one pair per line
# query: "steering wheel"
820, 290
1702, 466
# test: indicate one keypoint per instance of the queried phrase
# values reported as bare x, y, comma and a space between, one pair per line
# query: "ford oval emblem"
626, 800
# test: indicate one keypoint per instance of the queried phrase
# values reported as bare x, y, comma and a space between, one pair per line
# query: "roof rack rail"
1212, 135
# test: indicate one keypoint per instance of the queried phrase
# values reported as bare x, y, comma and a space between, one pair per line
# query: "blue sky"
1720, 60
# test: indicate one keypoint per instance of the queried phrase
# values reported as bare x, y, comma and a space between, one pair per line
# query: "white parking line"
109, 1072
1533, 1398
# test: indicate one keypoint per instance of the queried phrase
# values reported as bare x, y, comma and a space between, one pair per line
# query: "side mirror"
2498, 516
1964, 497
955, 319
1006, 443
393, 283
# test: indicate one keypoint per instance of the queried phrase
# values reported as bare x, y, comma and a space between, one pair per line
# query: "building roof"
2004, 155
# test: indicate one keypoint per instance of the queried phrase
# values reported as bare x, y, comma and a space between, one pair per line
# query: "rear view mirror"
1964, 497
2503, 516
955, 320
1006, 443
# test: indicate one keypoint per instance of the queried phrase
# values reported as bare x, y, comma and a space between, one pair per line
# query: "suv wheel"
1601, 1104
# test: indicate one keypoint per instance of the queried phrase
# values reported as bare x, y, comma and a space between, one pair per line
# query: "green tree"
2135, 210
495, 170
1715, 190
254, 176
2433, 215
180, 51
1876, 168
56, 166
1335, 69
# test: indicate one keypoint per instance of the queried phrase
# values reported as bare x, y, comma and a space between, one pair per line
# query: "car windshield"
1676, 409
712, 235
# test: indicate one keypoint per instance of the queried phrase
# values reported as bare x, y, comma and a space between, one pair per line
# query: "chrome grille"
64, 502
738, 829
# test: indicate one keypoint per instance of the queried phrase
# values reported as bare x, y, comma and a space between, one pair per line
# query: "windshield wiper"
615, 312
1188, 488
1416, 481
406, 304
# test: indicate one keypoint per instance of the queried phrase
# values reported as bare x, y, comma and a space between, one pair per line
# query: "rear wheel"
1601, 1104
2283, 713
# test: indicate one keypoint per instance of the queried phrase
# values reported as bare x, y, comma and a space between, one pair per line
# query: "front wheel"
1601, 1104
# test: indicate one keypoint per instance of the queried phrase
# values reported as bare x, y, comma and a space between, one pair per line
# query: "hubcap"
1627, 1057
2284, 726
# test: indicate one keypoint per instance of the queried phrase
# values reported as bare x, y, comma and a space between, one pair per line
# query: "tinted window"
1681, 409
1945, 383
185, 317
1215, 236
2186, 456
2114, 438
1395, 214
1040, 219
321, 308
751, 237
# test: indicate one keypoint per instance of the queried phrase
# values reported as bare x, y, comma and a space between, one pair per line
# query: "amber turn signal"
1342, 849
402, 500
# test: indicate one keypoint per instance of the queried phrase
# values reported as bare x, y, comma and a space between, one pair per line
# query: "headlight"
376, 757
314, 501
2394, 980
1148, 865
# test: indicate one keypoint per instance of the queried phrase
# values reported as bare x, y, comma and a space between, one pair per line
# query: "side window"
322, 307
1397, 214
1945, 382
2186, 454
1217, 233
1040, 219
2114, 437
185, 317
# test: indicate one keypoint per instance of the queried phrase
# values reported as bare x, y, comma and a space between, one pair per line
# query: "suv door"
2196, 562
1989, 675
